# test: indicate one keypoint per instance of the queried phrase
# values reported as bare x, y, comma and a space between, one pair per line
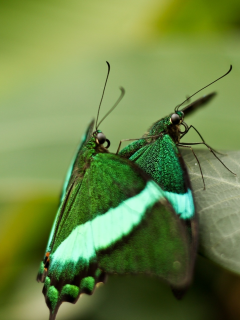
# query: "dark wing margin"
191, 224
192, 107
131, 228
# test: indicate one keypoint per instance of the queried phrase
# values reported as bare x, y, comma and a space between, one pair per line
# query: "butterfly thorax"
174, 132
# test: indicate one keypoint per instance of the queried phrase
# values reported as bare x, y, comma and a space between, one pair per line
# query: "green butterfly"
157, 154
112, 218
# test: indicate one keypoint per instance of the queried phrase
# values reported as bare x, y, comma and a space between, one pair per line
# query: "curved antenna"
177, 107
103, 92
114, 106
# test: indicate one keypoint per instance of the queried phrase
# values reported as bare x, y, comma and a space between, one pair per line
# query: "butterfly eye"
175, 118
100, 138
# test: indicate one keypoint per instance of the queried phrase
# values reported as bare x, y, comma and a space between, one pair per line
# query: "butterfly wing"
148, 237
192, 107
106, 218
162, 160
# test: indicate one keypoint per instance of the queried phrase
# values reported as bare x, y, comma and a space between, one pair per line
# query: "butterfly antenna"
177, 107
103, 93
114, 106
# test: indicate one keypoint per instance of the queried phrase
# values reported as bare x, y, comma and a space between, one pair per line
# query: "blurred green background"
52, 71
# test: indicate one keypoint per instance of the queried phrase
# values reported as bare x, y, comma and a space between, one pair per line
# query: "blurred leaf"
218, 206
24, 235
199, 16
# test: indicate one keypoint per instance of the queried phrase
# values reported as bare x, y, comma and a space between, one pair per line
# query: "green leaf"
218, 206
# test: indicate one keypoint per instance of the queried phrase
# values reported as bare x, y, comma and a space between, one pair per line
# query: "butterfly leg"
125, 140
191, 126
213, 152
188, 146
142, 138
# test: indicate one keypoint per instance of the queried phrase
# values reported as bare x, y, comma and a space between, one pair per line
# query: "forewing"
192, 107
162, 160
105, 228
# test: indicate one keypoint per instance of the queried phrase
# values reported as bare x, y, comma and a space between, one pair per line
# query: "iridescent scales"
104, 230
161, 159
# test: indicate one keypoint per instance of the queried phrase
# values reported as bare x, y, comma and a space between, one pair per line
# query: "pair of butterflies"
130, 212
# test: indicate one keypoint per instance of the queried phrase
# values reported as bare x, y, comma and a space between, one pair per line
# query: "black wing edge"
192, 107
191, 224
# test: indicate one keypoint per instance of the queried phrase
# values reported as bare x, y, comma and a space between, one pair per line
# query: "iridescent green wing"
115, 219
162, 160
155, 243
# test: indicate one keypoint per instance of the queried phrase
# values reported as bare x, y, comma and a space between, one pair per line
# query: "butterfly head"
176, 118
172, 124
100, 138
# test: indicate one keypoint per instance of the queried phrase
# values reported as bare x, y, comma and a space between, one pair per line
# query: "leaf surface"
218, 206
